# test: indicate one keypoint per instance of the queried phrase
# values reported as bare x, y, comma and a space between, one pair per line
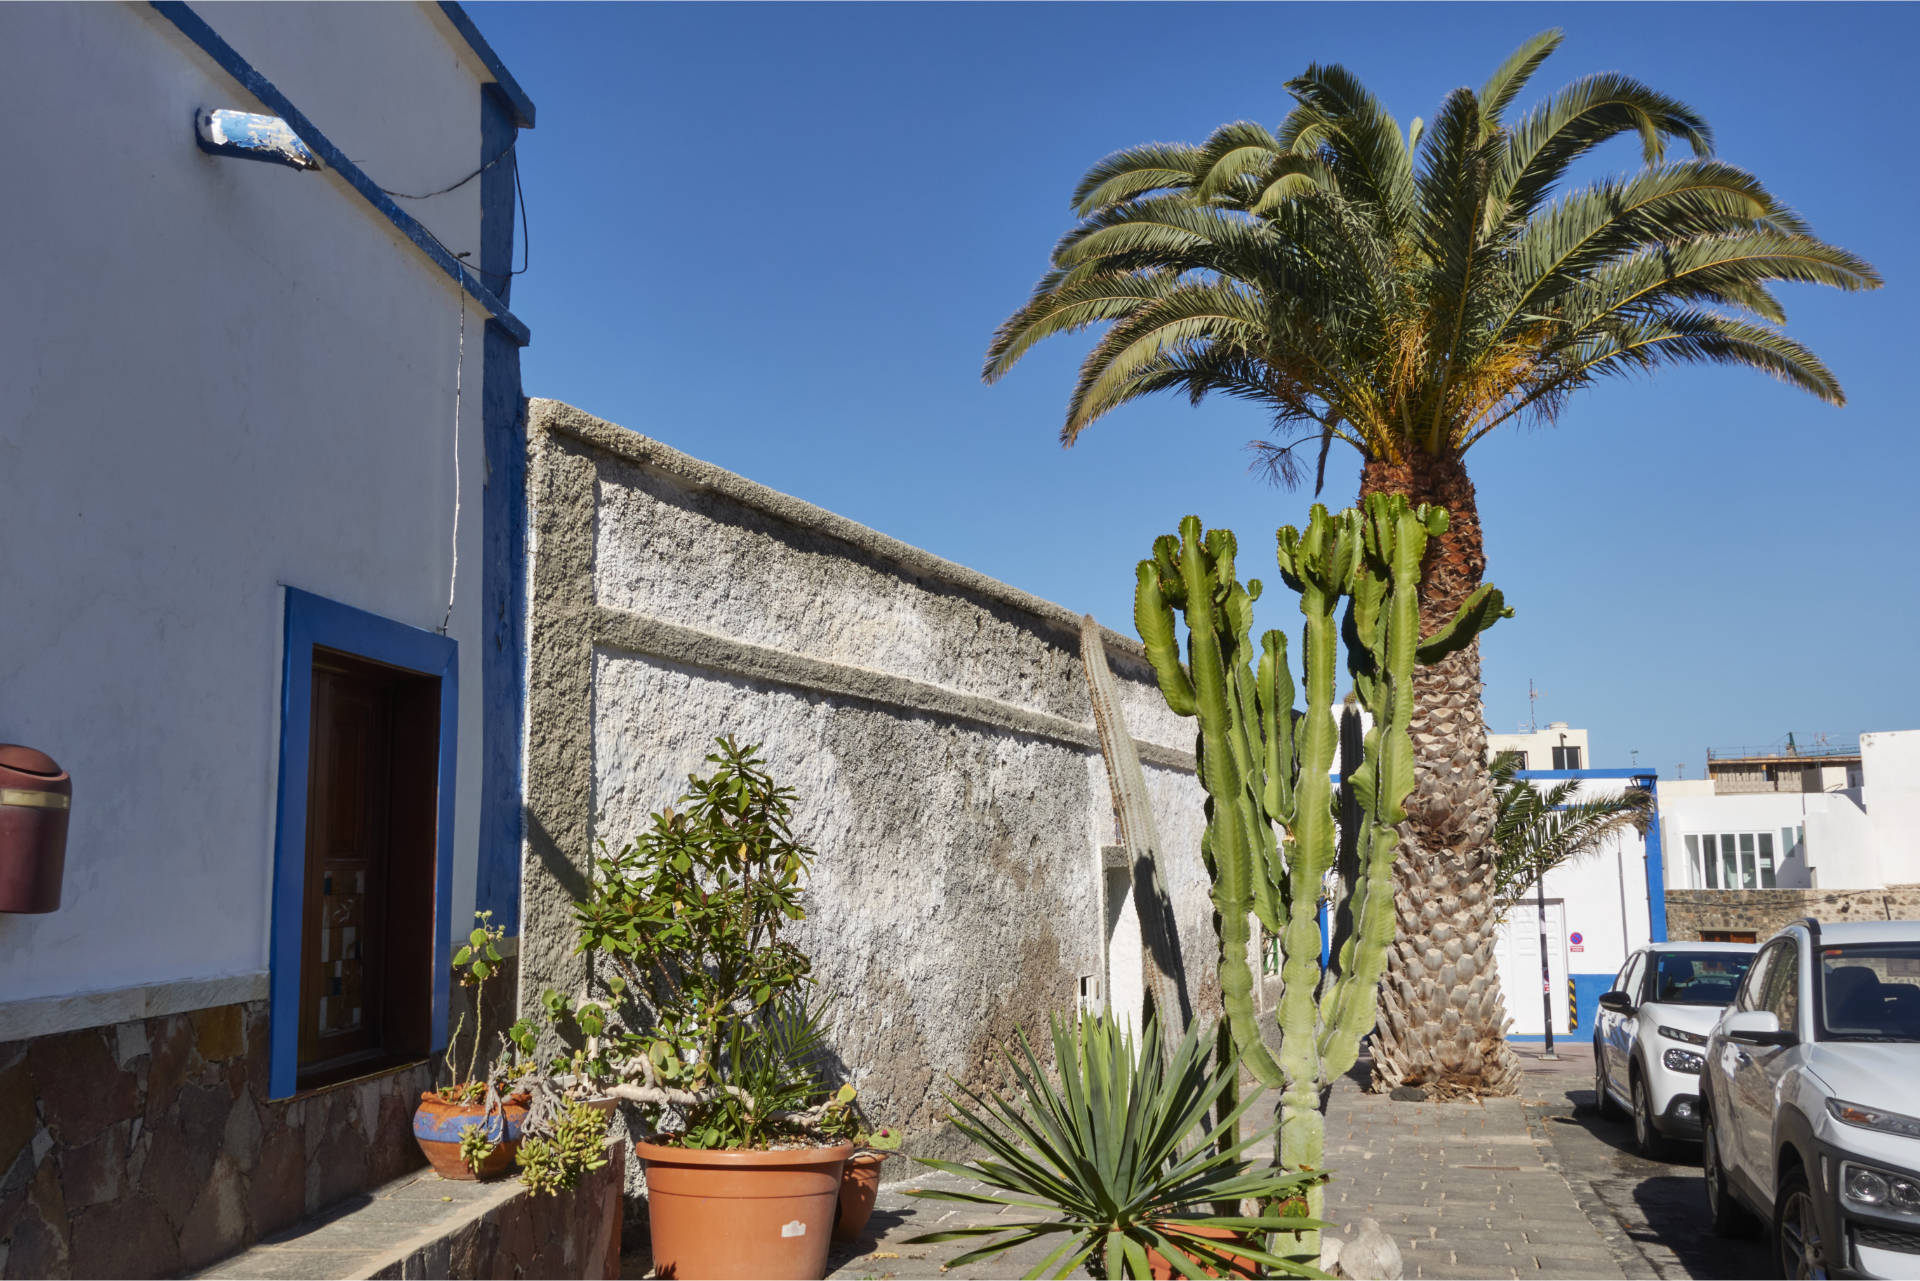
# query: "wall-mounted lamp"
252, 137
35, 794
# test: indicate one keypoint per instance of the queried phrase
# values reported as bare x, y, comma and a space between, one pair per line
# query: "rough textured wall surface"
1765, 911
935, 723
150, 1148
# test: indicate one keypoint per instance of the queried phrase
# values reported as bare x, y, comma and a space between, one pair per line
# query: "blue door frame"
316, 621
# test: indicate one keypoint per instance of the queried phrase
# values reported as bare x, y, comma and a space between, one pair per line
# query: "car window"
1697, 978
1749, 998
1782, 994
1620, 979
1870, 992
1630, 978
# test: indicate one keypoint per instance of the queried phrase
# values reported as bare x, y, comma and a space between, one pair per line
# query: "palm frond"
1126, 175
1511, 76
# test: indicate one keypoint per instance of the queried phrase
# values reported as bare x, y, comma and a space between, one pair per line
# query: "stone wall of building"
1689, 912
149, 1147
935, 723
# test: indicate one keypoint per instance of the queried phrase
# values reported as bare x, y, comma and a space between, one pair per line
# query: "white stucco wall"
1836, 853
1539, 745
1602, 898
1890, 764
223, 376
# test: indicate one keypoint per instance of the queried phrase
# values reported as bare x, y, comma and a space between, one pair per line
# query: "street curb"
1619, 1242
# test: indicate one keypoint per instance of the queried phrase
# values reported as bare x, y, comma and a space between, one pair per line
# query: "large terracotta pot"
437, 1125
742, 1214
1161, 1270
859, 1185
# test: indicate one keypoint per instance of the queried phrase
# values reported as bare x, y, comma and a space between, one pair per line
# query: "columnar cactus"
1272, 835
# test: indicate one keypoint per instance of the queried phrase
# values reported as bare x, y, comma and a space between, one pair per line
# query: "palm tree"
1407, 293
1535, 831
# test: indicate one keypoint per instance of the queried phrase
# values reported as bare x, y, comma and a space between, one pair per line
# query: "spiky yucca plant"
1407, 292
1121, 1154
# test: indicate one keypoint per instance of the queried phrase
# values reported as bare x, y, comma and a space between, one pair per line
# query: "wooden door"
349, 826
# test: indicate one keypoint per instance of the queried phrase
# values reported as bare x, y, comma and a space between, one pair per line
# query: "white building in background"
1558, 746
1832, 821
1597, 909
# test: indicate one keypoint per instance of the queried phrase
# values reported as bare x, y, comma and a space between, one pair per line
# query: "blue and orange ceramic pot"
438, 1125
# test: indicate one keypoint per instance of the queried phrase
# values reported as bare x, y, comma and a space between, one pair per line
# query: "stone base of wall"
150, 1147
1689, 912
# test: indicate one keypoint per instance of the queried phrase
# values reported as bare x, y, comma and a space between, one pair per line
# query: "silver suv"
1810, 1095
1651, 1029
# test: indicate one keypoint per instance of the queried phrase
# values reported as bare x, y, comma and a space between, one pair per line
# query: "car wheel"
1725, 1214
1798, 1251
1646, 1137
1602, 1101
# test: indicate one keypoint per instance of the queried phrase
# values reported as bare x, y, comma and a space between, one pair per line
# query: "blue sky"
779, 237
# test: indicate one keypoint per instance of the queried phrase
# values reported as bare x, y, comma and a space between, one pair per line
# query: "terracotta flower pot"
859, 1185
742, 1214
437, 1125
1161, 1270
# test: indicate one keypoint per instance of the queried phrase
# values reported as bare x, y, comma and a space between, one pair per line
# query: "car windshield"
1699, 978
1870, 992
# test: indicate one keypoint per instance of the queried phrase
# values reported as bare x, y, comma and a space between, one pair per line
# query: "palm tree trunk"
1442, 1019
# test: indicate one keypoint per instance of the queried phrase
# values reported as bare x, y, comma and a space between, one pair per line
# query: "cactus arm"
1482, 610
1224, 784
1153, 616
1396, 542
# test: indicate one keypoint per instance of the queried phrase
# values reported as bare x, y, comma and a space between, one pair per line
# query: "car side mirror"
1757, 1027
1617, 1001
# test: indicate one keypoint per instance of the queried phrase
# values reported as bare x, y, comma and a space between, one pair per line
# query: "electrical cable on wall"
428, 195
459, 364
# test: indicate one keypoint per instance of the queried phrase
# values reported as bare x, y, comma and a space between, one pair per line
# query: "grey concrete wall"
935, 723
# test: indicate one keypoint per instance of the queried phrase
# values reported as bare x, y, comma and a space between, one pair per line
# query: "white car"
1651, 1030
1812, 1101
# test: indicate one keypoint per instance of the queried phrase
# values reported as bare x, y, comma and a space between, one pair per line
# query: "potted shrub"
705, 1030
1128, 1161
860, 1181
470, 1127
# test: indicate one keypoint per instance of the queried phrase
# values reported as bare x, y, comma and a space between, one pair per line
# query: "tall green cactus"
1272, 835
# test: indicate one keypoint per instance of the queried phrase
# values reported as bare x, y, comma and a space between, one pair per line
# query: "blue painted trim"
314, 620
503, 573
195, 28
1656, 867
503, 82
1579, 773
1586, 996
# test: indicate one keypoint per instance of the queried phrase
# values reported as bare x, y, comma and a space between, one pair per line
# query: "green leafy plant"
843, 1117
1120, 1157
475, 964
704, 1024
575, 1144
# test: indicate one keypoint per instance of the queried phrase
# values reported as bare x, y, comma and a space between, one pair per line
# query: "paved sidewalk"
1466, 1189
